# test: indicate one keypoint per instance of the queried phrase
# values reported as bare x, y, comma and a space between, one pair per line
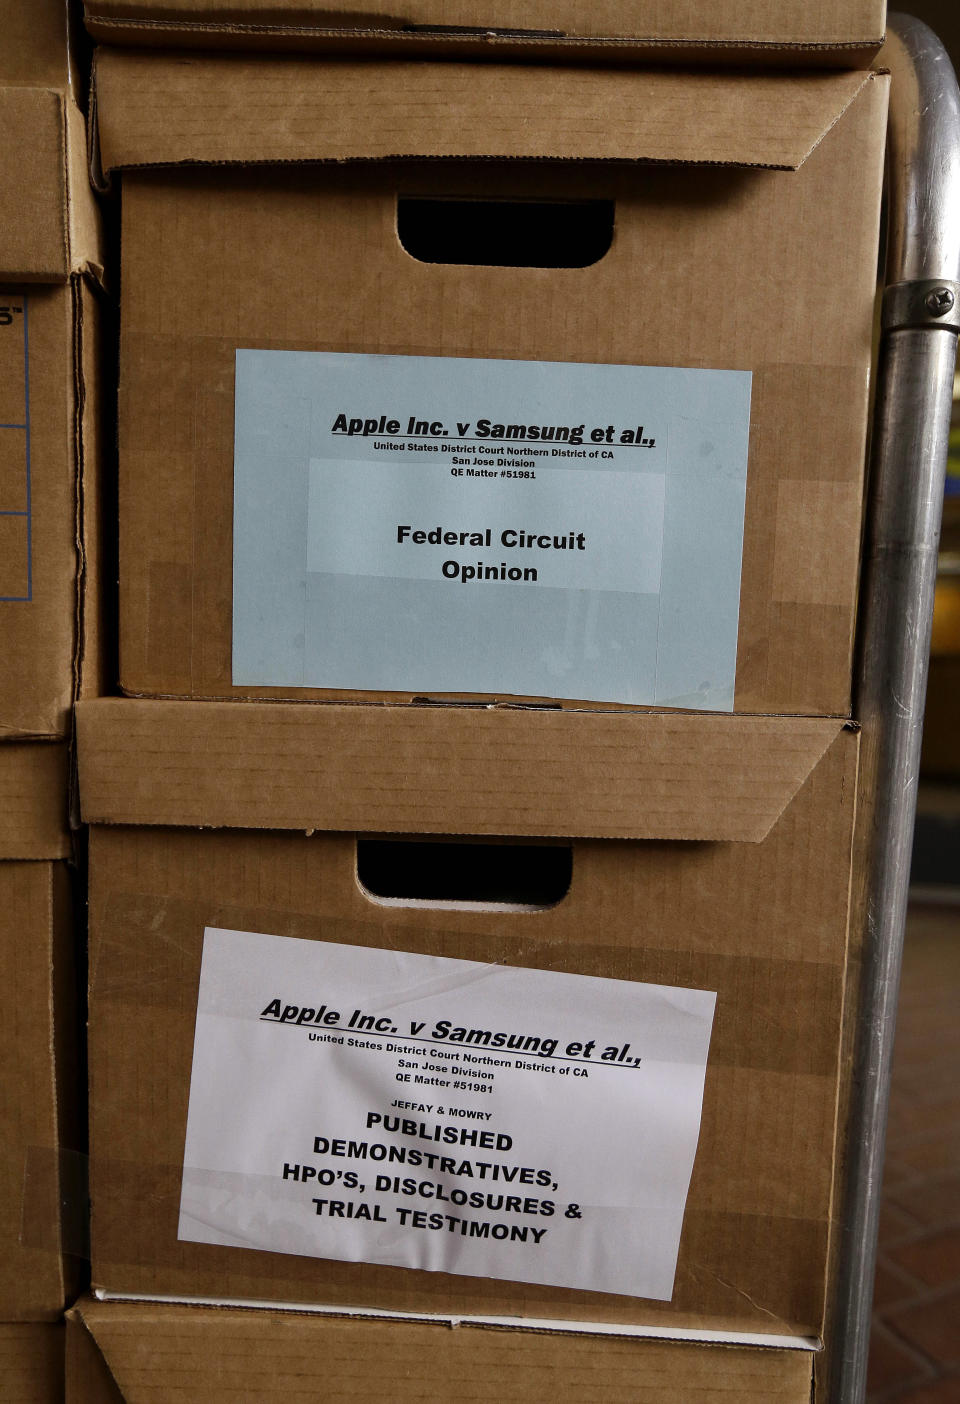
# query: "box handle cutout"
456, 873
506, 233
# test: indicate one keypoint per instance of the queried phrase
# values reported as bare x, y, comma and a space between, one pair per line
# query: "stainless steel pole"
921, 317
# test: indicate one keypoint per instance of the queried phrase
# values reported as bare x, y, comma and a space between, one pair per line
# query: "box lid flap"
443, 770
33, 205
272, 1355
171, 109
33, 801
49, 225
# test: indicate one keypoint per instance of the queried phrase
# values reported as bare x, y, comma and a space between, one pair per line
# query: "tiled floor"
915, 1349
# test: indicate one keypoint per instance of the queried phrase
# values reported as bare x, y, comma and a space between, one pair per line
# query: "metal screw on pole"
939, 301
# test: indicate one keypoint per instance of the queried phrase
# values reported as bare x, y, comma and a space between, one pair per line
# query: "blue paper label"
442, 524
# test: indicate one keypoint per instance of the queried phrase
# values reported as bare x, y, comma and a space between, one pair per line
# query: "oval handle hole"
506, 233
417, 872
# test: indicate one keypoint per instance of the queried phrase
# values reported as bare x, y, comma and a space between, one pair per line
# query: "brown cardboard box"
122, 1353
40, 1096
755, 908
746, 227
50, 273
31, 1363
842, 32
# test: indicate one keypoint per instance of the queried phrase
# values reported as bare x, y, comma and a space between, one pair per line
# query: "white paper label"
356, 527
377, 1106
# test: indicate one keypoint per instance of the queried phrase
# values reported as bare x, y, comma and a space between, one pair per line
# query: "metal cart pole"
921, 318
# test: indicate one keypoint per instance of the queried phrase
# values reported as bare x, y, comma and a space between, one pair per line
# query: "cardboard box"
32, 1363
841, 32
41, 1097
754, 905
746, 228
123, 1352
51, 270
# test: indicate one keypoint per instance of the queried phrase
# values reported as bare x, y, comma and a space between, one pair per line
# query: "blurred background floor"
915, 1345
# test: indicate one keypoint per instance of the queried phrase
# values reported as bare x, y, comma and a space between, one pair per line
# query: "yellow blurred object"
945, 639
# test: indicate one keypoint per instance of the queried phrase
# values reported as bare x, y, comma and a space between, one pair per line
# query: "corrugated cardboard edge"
85, 224
443, 770
92, 317
475, 43
688, 1335
156, 109
88, 290
33, 801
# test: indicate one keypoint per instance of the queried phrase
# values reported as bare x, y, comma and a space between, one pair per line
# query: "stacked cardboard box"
760, 920
50, 277
280, 219
42, 1206
51, 267
761, 202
